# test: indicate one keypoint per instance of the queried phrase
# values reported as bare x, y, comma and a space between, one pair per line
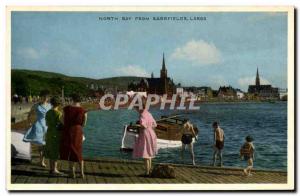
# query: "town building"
204, 92
282, 93
227, 92
240, 94
152, 85
263, 91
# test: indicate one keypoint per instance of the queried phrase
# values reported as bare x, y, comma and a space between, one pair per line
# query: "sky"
224, 49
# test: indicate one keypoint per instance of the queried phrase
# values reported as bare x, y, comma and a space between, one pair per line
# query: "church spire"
163, 63
257, 81
163, 71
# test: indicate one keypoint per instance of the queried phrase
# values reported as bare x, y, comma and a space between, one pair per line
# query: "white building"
282, 93
179, 90
240, 94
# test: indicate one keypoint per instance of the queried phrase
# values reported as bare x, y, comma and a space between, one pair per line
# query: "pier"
116, 171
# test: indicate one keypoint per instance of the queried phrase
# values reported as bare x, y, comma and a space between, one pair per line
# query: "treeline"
29, 82
25, 83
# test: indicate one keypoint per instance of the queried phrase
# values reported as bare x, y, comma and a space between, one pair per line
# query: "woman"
71, 150
146, 145
36, 134
53, 135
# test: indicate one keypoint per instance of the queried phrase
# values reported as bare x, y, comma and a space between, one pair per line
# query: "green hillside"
24, 82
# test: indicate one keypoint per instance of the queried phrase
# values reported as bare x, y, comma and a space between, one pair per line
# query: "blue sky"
224, 49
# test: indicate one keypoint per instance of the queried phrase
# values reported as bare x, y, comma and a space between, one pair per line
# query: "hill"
25, 82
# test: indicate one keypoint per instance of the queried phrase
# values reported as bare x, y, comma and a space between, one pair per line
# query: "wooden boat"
168, 132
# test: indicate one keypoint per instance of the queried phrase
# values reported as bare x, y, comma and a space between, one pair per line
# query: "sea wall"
19, 112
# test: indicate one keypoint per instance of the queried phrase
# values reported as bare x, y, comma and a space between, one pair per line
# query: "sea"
265, 122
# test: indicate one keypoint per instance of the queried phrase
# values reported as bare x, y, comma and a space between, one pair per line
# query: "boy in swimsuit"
247, 152
187, 138
218, 143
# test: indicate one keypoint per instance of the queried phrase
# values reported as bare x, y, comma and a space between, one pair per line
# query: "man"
218, 143
187, 139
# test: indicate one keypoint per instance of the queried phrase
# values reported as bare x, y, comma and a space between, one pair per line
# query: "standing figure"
218, 143
53, 135
75, 118
188, 133
247, 152
146, 144
36, 133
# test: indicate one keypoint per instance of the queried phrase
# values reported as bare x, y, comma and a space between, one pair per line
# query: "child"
247, 152
218, 143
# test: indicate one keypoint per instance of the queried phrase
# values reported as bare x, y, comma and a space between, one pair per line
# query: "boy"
218, 143
188, 133
247, 152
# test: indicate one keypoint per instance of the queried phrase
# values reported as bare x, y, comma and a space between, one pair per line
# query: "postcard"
150, 98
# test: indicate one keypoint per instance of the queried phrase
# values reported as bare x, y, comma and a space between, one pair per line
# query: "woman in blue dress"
36, 133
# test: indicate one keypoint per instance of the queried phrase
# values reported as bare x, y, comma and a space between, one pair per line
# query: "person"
74, 118
188, 133
218, 143
36, 133
53, 135
247, 153
146, 144
15, 98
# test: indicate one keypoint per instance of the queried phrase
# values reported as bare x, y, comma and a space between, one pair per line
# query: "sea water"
265, 122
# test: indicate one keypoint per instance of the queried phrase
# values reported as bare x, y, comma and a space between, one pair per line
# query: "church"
264, 91
159, 86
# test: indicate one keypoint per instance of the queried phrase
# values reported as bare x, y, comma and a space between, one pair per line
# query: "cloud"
132, 70
246, 81
28, 53
199, 52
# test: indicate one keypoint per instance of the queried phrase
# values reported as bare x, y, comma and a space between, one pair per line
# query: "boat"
168, 132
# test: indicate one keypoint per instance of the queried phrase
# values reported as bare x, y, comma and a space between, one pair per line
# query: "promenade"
106, 170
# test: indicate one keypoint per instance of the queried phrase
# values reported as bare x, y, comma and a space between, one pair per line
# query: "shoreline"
24, 124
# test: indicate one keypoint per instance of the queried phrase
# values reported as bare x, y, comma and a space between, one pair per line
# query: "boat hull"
129, 138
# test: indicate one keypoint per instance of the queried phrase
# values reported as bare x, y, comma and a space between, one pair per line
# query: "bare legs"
148, 165
53, 167
42, 158
191, 148
182, 150
248, 169
82, 169
72, 169
217, 153
192, 153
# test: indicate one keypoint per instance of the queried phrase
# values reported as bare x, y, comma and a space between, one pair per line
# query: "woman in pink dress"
146, 145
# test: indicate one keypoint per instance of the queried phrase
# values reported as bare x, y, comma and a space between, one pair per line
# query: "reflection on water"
266, 122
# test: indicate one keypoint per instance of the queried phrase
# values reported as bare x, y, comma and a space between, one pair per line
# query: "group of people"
246, 151
146, 145
58, 135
